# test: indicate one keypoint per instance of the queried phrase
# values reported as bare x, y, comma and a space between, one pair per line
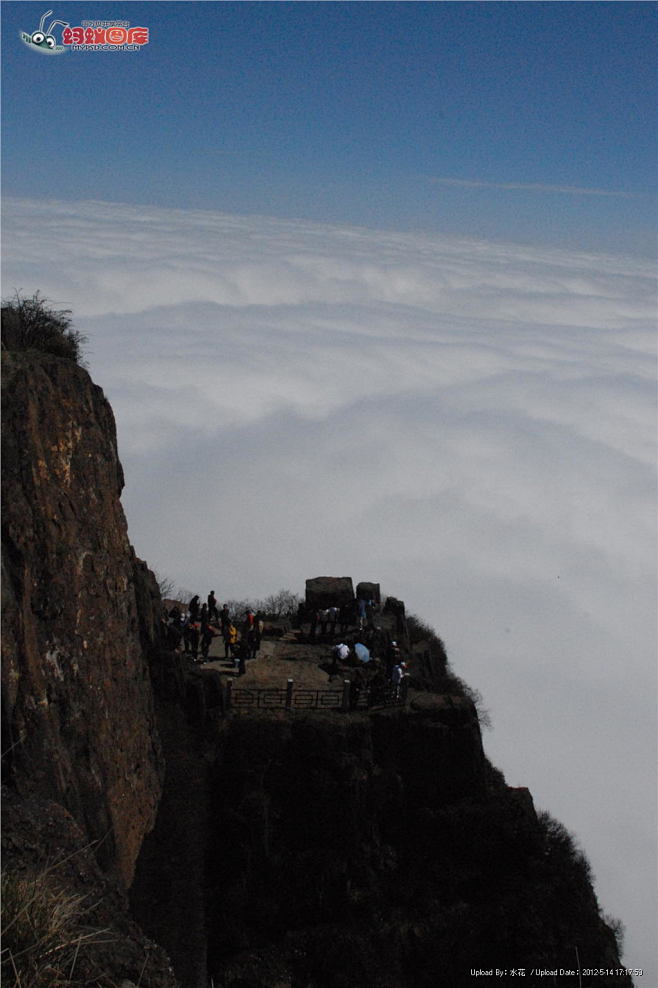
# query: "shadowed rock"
80, 612
368, 591
329, 591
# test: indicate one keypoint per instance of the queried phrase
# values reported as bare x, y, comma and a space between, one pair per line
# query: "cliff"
279, 849
377, 849
79, 708
80, 615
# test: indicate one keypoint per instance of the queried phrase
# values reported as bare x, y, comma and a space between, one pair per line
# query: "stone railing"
303, 698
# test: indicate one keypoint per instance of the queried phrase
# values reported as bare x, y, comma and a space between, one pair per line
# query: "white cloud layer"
471, 424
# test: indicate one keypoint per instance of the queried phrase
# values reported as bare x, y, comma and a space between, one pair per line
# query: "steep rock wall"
381, 849
293, 824
79, 612
341, 850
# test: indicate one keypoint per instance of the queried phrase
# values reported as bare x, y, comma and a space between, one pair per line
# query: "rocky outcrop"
79, 613
329, 591
368, 591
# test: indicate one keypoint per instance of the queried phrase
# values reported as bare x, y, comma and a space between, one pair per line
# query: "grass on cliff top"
31, 324
47, 934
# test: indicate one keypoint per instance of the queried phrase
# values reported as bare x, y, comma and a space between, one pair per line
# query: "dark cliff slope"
370, 849
79, 616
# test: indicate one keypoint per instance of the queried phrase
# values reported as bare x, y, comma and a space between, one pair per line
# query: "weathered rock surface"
329, 591
79, 612
368, 591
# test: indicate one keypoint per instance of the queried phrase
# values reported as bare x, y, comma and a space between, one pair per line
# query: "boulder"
368, 591
329, 591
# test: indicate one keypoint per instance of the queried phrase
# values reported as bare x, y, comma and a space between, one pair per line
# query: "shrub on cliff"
31, 324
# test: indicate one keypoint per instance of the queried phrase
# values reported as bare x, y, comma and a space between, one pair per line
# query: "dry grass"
47, 933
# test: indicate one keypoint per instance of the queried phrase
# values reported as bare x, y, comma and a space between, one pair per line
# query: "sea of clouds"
470, 424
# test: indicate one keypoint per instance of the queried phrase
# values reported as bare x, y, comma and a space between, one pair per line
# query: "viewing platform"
289, 674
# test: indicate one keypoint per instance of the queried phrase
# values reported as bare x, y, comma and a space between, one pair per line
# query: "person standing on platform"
213, 613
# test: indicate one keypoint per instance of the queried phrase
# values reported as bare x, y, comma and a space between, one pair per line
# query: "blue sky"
352, 113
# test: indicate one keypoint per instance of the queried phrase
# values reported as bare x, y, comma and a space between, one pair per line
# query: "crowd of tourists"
325, 623
375, 659
193, 629
374, 673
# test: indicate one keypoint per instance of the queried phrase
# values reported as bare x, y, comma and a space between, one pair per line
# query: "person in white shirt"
399, 672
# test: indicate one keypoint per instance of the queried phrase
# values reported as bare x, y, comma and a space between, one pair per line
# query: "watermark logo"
88, 36
43, 40
105, 36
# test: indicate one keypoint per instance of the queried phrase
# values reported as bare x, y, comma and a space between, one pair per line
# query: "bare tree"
283, 603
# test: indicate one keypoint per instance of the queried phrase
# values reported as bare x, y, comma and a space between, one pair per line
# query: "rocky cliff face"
376, 849
80, 612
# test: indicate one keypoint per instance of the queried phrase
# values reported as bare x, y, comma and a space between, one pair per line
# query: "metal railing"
302, 698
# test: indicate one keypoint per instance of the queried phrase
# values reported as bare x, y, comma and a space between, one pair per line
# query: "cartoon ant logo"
43, 39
